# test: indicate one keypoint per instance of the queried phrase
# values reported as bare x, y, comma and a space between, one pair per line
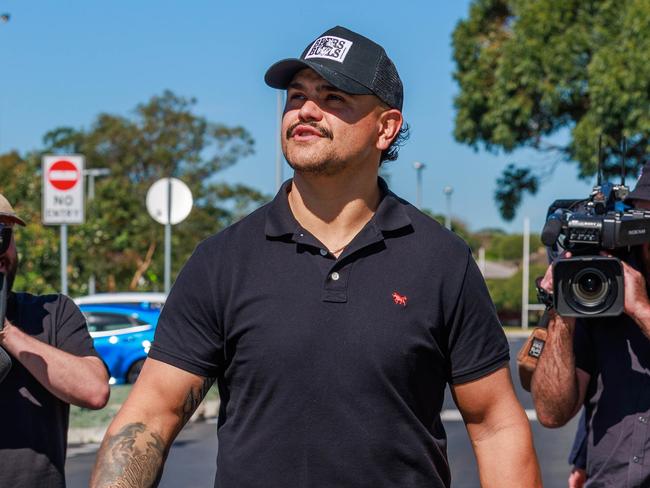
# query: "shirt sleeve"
188, 335
477, 344
71, 329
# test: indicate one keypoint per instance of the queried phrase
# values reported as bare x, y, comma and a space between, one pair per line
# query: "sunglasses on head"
5, 238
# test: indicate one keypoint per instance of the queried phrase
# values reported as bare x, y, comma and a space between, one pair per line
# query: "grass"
512, 328
84, 417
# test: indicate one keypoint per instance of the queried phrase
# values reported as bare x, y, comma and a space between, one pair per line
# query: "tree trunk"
143, 265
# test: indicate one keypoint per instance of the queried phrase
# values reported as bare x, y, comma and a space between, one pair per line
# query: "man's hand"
577, 478
499, 431
81, 381
637, 305
636, 302
136, 443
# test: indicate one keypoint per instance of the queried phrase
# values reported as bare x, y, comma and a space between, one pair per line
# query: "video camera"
588, 284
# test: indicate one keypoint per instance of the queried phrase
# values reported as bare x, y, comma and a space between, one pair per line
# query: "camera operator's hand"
558, 388
636, 296
636, 302
547, 284
577, 478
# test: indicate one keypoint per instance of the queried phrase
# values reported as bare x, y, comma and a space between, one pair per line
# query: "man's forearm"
554, 384
133, 457
506, 457
82, 381
135, 446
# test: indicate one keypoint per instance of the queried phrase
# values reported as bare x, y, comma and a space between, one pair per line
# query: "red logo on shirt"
399, 299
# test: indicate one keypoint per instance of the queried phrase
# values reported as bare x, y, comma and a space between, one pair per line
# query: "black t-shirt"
332, 371
616, 353
33, 422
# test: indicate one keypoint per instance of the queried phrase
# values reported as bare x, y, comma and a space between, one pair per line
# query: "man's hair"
391, 152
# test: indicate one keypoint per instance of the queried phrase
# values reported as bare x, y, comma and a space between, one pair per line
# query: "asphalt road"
191, 461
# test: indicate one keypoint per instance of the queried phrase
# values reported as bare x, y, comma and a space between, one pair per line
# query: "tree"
459, 227
119, 242
535, 73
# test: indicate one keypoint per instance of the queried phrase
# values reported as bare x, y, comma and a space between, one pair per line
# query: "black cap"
349, 61
642, 189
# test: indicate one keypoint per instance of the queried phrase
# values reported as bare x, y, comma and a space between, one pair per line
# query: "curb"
94, 435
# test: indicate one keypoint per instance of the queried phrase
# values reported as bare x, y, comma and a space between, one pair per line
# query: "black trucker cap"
642, 189
349, 61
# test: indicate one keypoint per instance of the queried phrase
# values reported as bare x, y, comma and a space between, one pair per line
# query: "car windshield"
106, 322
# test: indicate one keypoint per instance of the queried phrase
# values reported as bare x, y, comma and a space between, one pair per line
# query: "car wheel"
134, 371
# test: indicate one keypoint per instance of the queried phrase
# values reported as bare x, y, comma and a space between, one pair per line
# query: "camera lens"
590, 287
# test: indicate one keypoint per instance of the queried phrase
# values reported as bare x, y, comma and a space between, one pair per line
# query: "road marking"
455, 416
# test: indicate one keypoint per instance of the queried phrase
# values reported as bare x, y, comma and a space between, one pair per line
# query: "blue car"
122, 334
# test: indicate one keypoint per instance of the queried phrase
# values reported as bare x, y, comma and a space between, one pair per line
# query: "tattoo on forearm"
132, 458
194, 398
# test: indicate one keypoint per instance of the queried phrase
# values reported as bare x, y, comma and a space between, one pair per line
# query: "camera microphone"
552, 229
5, 360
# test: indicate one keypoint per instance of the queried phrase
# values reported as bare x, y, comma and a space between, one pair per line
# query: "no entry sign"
63, 174
63, 195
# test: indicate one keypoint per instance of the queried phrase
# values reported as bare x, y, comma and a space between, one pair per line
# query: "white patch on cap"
329, 47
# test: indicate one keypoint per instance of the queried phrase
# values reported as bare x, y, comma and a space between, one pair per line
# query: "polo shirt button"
636, 459
323, 252
643, 420
335, 276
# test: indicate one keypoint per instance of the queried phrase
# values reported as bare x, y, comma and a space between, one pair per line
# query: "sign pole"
524, 275
64, 259
63, 199
169, 202
168, 238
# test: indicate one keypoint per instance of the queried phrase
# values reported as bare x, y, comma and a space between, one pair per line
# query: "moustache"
322, 130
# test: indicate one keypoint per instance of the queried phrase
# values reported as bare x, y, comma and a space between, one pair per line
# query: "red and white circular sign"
63, 175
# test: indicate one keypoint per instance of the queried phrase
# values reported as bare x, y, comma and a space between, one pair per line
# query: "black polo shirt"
616, 353
332, 371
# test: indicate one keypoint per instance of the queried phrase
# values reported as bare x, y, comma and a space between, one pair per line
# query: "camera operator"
603, 363
53, 364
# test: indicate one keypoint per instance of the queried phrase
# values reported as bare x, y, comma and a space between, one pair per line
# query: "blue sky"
63, 62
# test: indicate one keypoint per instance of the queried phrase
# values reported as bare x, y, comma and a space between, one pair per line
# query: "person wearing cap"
603, 364
51, 363
332, 318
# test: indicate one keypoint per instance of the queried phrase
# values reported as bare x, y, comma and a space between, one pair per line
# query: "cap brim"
12, 218
281, 73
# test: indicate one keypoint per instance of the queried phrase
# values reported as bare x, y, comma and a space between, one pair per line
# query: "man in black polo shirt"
332, 318
49, 363
604, 364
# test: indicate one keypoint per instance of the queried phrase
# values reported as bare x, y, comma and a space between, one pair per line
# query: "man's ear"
389, 124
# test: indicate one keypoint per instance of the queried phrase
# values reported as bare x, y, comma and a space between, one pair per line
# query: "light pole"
91, 173
418, 189
448, 190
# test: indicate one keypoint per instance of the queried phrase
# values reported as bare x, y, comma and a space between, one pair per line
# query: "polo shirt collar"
391, 213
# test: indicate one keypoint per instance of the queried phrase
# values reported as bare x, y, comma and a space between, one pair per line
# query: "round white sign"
157, 201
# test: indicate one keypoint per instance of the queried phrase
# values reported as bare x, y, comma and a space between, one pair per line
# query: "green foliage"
528, 70
119, 243
508, 247
506, 294
459, 227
